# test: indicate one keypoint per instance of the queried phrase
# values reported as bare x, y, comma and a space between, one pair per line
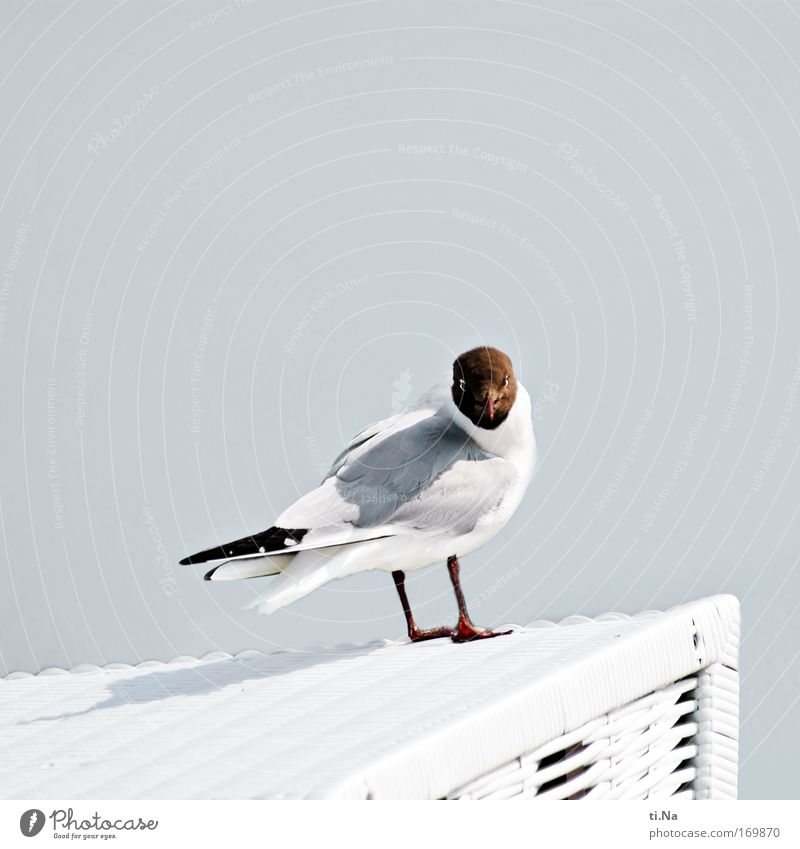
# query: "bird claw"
418, 635
466, 632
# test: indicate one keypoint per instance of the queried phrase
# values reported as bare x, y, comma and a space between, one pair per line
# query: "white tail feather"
250, 567
307, 571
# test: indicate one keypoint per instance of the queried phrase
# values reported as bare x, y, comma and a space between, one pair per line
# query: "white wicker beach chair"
615, 707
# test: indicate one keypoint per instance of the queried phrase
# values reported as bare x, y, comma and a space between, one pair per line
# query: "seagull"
430, 484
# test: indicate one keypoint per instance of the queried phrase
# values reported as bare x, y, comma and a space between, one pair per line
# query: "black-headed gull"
432, 483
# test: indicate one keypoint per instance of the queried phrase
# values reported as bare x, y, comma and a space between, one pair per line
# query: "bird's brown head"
484, 386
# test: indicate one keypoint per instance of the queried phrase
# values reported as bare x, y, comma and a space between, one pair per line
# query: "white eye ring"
505, 381
461, 385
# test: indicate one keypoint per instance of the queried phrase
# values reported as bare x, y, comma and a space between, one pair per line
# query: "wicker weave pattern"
612, 707
678, 741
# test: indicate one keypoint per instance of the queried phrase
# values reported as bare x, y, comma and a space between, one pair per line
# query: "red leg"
465, 631
416, 635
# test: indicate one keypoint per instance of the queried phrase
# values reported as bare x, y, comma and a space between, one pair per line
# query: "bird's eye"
505, 381
461, 385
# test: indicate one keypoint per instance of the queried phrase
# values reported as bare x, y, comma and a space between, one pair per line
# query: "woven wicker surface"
392, 720
652, 748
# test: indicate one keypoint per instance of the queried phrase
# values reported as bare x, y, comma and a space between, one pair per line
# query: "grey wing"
398, 472
424, 408
461, 498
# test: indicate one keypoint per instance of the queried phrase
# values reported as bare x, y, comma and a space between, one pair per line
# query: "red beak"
490, 408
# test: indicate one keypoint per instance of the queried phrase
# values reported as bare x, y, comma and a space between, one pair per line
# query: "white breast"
513, 442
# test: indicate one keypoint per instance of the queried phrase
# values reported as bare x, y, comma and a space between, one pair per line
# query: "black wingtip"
271, 541
217, 553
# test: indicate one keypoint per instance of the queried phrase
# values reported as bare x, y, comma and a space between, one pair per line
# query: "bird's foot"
418, 635
466, 632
